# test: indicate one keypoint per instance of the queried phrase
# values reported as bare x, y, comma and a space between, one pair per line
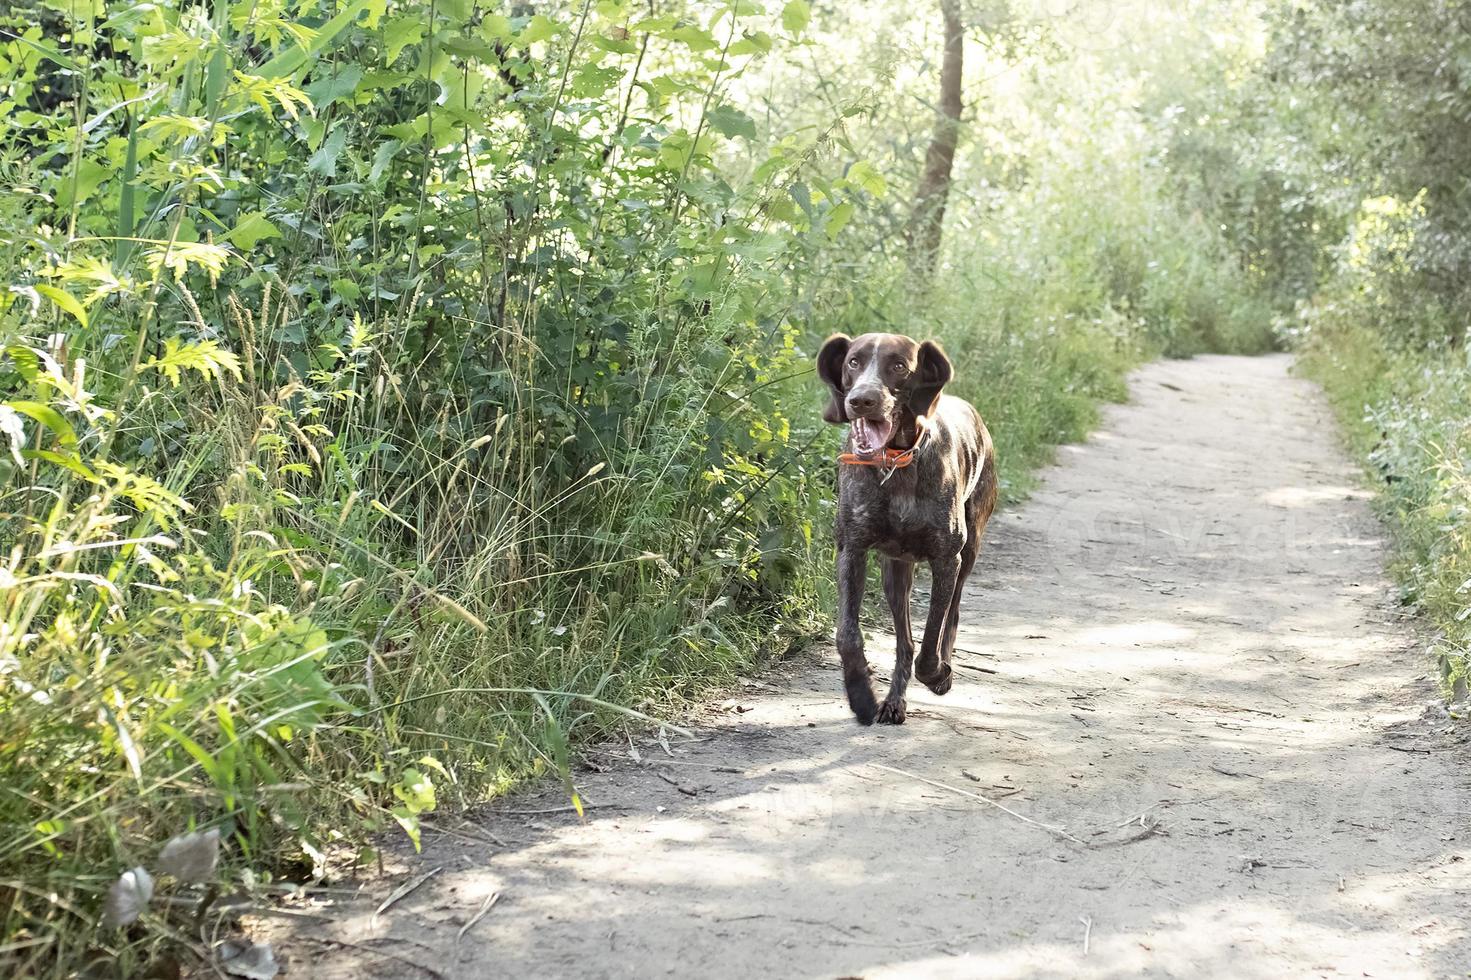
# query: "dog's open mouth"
871, 435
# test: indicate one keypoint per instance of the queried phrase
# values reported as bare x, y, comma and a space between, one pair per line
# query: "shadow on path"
1181, 654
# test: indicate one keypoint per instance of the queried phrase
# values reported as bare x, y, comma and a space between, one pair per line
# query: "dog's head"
880, 382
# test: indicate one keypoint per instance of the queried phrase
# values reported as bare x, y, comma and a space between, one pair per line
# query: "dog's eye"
899, 368
852, 362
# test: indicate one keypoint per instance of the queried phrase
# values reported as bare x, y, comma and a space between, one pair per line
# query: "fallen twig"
485, 907
545, 811
686, 790
978, 670
1010, 790
403, 890
1148, 827
481, 836
1239, 775
976, 796
376, 952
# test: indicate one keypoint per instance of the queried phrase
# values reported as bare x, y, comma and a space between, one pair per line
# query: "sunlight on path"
1182, 651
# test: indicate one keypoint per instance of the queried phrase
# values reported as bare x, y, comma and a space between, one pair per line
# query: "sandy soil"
1182, 673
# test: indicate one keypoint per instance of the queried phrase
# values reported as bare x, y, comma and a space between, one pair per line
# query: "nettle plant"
339, 332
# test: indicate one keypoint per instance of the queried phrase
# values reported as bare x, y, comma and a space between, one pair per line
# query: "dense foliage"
396, 391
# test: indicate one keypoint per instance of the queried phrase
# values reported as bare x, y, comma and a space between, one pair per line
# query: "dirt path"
1182, 652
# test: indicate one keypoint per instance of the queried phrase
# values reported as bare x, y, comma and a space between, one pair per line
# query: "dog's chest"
902, 523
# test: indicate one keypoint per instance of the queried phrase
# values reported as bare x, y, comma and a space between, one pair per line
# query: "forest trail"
1182, 652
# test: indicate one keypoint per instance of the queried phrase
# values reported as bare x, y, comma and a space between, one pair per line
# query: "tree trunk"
928, 221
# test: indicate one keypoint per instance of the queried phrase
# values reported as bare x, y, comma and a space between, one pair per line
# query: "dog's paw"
891, 712
862, 701
940, 683
929, 671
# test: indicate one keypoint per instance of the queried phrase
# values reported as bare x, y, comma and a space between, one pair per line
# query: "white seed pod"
191, 857
127, 898
254, 961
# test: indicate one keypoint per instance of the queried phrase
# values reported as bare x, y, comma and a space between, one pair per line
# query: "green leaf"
89, 176
69, 461
290, 61
555, 737
416, 791
204, 356
177, 127
382, 157
65, 300
803, 197
617, 45
591, 81
339, 85
730, 121
694, 37
837, 218
399, 33
538, 28
250, 229
200, 753
50, 418
796, 15
470, 48
323, 163
27, 363
180, 255
863, 174
496, 27
124, 247
48, 51
83, 11
752, 42
409, 822
457, 12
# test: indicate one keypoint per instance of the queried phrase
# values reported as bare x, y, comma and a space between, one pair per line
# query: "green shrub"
1409, 416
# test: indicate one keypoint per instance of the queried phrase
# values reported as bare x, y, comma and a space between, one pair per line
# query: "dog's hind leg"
929, 668
952, 619
978, 514
898, 581
852, 579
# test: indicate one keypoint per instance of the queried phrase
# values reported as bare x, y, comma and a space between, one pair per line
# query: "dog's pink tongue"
871, 435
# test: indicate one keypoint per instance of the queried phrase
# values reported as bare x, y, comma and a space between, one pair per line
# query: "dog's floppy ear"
830, 369
933, 375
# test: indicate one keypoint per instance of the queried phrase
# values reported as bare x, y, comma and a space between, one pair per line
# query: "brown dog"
918, 483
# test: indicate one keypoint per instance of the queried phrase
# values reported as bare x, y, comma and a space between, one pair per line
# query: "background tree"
927, 222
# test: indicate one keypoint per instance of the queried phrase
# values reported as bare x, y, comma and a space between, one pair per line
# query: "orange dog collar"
890, 458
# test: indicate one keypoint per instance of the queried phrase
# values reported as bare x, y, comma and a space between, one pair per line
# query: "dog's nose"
862, 401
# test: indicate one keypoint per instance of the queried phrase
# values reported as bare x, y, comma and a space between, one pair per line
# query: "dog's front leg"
898, 581
929, 668
852, 578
